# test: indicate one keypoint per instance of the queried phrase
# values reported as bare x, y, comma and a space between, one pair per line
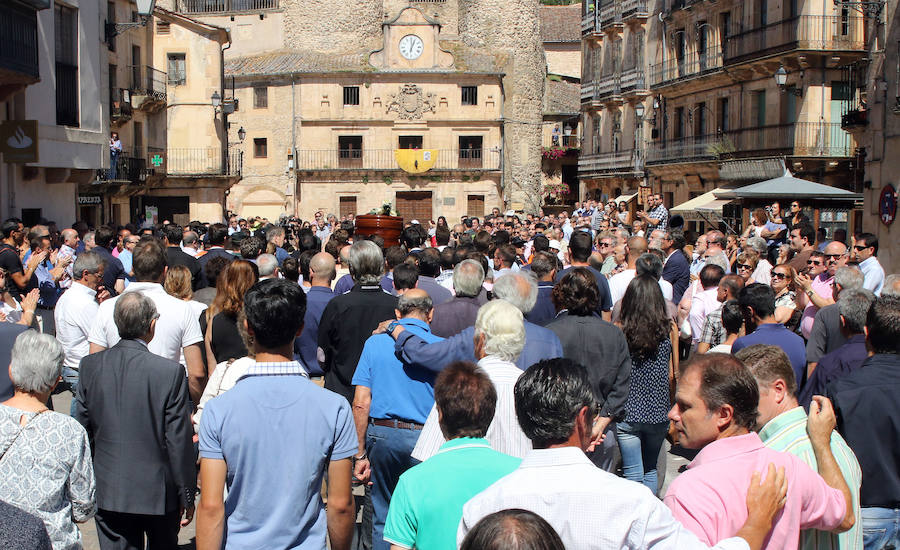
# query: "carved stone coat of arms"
410, 103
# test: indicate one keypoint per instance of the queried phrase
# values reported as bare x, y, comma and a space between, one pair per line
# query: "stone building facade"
682, 96
326, 97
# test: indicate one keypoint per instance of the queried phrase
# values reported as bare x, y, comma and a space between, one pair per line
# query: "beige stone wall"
332, 25
449, 196
563, 58
512, 27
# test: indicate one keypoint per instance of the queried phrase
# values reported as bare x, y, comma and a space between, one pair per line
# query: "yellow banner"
415, 161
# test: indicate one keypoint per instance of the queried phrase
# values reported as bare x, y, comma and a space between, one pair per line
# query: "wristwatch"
810, 293
390, 328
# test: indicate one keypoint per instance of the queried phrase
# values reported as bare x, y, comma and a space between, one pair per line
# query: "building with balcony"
347, 105
176, 163
712, 113
51, 87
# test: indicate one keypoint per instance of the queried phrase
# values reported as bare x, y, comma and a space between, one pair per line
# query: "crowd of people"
501, 382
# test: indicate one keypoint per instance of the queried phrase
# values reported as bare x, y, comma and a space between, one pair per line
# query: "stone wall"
332, 25
512, 27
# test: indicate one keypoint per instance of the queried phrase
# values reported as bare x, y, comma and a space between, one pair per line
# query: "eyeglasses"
832, 256
605, 244
859, 247
777, 275
811, 262
744, 266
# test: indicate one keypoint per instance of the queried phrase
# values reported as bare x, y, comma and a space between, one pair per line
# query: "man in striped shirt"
782, 427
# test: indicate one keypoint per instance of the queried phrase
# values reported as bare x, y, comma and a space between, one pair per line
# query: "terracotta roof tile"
561, 23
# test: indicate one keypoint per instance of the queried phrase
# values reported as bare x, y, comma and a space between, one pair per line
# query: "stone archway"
262, 201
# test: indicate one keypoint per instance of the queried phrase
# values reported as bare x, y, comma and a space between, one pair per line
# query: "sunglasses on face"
832, 256
744, 266
810, 262
859, 247
777, 275
605, 244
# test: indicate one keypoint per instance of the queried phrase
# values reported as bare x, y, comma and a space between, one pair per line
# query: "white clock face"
411, 46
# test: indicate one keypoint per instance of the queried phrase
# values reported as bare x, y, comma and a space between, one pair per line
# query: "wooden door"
347, 206
414, 205
475, 206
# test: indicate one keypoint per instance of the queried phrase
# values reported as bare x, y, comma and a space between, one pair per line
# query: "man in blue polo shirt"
321, 273
758, 305
272, 437
390, 405
466, 465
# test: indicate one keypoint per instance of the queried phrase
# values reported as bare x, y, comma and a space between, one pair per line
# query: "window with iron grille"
260, 148
177, 75
66, 26
351, 95
163, 27
470, 95
260, 97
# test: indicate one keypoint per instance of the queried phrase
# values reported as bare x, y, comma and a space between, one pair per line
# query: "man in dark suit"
176, 256
216, 236
135, 407
677, 270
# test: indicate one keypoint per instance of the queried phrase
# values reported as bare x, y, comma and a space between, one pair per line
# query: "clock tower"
411, 42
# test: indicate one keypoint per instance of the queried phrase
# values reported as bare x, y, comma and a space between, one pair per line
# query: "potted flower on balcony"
555, 192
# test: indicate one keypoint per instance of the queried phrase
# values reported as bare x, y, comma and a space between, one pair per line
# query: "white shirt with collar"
504, 433
176, 328
619, 282
873, 274
589, 508
702, 304
74, 315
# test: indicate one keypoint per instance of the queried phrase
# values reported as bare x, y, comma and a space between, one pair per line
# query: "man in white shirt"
705, 301
67, 250
588, 507
865, 251
177, 329
75, 313
618, 283
499, 339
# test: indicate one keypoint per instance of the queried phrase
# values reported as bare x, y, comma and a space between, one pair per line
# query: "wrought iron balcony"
634, 81
561, 141
615, 163
855, 119
18, 44
608, 88
204, 161
801, 139
385, 160
148, 87
128, 169
611, 15
635, 9
225, 6
694, 64
814, 33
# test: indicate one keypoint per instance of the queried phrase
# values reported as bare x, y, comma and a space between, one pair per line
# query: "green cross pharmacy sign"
157, 160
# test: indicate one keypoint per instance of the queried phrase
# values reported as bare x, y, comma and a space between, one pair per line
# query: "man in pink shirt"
716, 410
817, 288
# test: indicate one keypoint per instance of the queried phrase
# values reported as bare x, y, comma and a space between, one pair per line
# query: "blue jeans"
389, 452
881, 528
70, 378
639, 444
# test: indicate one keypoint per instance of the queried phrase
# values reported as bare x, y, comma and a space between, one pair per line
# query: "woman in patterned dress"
45, 457
653, 343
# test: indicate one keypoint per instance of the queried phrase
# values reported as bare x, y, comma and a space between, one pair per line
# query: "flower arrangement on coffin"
385, 210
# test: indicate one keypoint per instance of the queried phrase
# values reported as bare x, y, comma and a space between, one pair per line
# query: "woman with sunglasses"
785, 298
746, 265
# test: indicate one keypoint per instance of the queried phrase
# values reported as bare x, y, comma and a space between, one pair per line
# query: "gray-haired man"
135, 407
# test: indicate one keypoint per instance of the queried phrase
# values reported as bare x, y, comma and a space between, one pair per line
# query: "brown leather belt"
393, 423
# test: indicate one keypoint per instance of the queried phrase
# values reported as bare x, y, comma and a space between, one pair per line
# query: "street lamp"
216, 100
144, 11
780, 77
639, 110
242, 134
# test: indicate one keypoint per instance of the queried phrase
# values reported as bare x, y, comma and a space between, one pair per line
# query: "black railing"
18, 40
66, 94
204, 161
854, 118
127, 169
385, 159
225, 6
156, 83
693, 64
804, 32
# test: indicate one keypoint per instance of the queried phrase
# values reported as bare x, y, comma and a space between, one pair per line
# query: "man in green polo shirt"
427, 504
782, 426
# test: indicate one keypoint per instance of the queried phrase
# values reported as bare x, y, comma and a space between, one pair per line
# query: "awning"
788, 187
626, 198
706, 207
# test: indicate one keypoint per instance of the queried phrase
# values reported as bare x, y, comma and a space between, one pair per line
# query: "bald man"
618, 284
321, 273
67, 250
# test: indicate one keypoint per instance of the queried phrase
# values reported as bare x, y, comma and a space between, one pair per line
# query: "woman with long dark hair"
653, 343
223, 340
